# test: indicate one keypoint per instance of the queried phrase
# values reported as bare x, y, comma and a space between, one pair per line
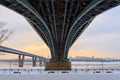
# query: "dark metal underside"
60, 22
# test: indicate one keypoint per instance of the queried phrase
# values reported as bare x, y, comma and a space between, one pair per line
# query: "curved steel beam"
54, 20
63, 27
36, 27
83, 18
28, 6
80, 32
77, 34
43, 36
90, 6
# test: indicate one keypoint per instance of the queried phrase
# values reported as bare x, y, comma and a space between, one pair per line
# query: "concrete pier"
59, 65
21, 60
34, 61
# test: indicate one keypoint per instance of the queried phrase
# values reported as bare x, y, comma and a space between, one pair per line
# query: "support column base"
58, 65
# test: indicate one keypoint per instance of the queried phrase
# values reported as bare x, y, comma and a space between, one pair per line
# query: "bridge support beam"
21, 60
58, 65
34, 61
40, 62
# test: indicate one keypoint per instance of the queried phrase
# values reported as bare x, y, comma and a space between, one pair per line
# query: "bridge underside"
59, 22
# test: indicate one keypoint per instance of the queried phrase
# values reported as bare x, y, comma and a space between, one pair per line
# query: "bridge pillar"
58, 65
40, 62
21, 60
43, 63
34, 61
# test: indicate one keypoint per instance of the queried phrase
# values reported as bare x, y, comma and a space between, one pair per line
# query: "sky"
101, 39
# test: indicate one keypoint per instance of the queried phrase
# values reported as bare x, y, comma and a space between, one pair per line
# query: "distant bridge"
21, 56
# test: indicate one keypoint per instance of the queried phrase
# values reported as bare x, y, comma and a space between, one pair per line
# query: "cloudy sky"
100, 39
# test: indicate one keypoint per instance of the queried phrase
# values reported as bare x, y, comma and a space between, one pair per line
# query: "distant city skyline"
100, 39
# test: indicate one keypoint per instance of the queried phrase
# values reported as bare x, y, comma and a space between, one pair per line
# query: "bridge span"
21, 56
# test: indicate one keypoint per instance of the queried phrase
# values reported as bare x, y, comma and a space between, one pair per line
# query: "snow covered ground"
61, 77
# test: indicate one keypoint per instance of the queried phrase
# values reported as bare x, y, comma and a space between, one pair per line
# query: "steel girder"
24, 8
93, 9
